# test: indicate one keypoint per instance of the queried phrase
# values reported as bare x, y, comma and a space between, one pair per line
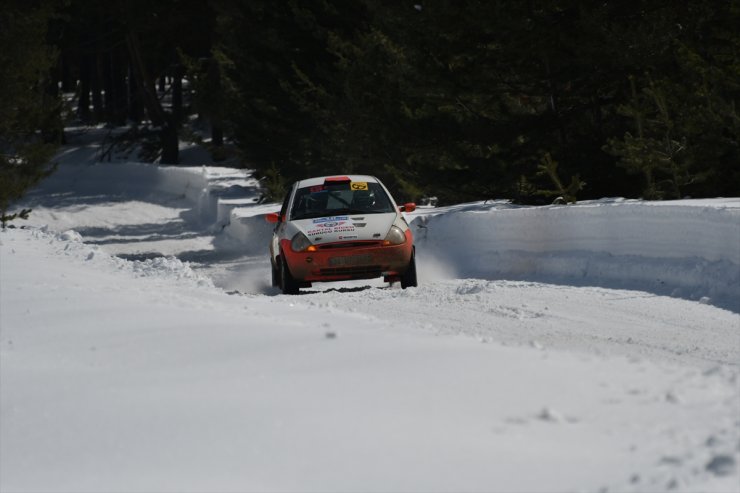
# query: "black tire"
275, 275
408, 278
287, 283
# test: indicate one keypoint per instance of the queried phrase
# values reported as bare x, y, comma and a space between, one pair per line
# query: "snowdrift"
688, 249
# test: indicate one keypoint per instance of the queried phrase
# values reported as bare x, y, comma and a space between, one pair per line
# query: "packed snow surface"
591, 347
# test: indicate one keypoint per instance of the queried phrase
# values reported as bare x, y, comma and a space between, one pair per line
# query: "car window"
344, 198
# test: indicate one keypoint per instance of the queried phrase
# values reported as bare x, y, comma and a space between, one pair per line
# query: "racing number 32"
358, 185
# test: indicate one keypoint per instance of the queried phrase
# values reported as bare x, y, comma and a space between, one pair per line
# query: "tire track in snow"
592, 320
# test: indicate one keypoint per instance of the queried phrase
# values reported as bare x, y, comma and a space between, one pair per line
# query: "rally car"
337, 228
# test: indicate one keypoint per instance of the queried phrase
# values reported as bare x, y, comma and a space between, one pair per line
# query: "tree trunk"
134, 99
217, 135
68, 84
177, 113
119, 94
83, 108
159, 118
109, 101
214, 74
119, 97
96, 83
52, 131
170, 144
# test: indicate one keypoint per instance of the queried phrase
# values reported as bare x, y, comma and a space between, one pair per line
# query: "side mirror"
408, 207
272, 217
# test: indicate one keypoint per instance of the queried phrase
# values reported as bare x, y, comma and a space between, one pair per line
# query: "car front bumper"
349, 260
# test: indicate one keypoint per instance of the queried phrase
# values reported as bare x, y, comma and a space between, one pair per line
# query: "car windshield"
340, 198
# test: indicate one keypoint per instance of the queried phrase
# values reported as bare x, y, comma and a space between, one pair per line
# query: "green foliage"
210, 93
685, 129
26, 111
549, 168
459, 100
274, 184
685, 137
6, 218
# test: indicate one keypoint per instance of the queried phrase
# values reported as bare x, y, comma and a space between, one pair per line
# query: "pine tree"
277, 76
27, 111
462, 100
684, 138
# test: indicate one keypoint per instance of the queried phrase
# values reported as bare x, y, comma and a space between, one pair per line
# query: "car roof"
319, 180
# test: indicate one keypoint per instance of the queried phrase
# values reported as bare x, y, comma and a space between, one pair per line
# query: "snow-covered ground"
592, 347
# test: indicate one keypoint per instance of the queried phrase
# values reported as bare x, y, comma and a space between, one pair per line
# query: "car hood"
355, 227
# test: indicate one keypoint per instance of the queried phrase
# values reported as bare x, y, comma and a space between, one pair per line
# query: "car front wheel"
275, 275
408, 279
287, 283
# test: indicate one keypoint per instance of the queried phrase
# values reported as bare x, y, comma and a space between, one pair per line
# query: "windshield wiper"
308, 216
351, 212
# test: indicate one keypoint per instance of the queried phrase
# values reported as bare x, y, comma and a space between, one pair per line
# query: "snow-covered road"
596, 321
141, 376
558, 349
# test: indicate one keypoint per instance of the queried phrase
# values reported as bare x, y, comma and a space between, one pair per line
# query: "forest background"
461, 100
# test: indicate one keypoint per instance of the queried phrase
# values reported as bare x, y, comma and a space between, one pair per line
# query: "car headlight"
395, 236
299, 242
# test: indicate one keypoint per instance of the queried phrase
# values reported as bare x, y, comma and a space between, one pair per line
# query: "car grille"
349, 244
369, 270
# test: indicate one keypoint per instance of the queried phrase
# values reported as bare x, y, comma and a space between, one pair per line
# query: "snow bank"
688, 248
685, 249
225, 200
118, 376
212, 192
164, 269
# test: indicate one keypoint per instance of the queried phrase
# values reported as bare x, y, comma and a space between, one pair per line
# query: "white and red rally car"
337, 228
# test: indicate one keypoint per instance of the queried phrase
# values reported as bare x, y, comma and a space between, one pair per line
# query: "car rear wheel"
408, 278
287, 283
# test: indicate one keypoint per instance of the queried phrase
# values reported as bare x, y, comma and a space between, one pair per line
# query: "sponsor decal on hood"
342, 228
330, 219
